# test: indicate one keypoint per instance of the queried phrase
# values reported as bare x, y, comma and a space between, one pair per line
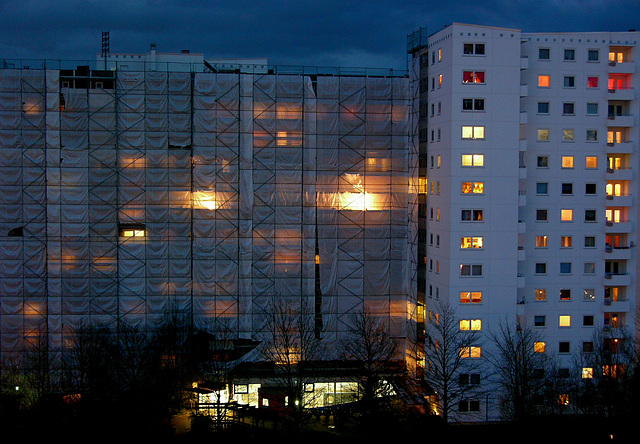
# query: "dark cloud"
321, 32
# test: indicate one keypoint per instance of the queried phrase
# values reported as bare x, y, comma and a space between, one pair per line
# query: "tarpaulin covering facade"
205, 193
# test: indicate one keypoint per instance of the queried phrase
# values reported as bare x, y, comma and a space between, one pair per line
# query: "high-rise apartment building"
529, 146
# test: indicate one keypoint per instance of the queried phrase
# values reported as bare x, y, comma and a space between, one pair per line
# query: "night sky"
348, 33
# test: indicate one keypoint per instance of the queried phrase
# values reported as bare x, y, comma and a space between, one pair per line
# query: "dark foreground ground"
131, 428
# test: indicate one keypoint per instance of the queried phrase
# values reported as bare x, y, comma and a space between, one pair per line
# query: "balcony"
621, 147
618, 253
521, 255
621, 94
621, 121
616, 306
523, 144
523, 117
620, 174
622, 68
619, 201
617, 227
524, 90
524, 63
617, 279
521, 282
522, 226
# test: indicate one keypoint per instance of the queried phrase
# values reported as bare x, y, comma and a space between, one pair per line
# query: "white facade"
530, 151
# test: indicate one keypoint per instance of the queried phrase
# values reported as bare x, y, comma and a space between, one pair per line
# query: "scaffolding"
125, 195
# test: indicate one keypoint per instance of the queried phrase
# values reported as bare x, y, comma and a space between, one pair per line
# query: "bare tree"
609, 368
450, 353
369, 345
520, 368
290, 343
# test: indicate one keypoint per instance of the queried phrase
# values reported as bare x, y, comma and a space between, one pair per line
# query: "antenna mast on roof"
105, 47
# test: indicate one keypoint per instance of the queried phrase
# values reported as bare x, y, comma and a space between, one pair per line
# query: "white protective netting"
235, 182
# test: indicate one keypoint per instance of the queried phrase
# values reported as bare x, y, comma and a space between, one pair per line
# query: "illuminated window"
564, 321
541, 241
471, 242
439, 54
470, 352
473, 160
540, 294
567, 135
539, 347
543, 134
614, 136
470, 324
472, 104
470, 270
473, 49
473, 76
132, 231
565, 294
563, 399
472, 187
289, 138
591, 162
543, 81
566, 215
567, 161
565, 241
587, 372
592, 82
472, 132
470, 297
471, 215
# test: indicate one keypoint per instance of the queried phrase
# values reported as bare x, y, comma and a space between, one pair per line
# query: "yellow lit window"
439, 80
614, 189
289, 138
565, 241
476, 160
467, 297
471, 242
613, 215
470, 324
564, 321
543, 134
539, 347
541, 241
567, 161
132, 232
472, 132
470, 352
614, 136
563, 399
472, 187
591, 162
587, 372
543, 81
540, 294
566, 215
